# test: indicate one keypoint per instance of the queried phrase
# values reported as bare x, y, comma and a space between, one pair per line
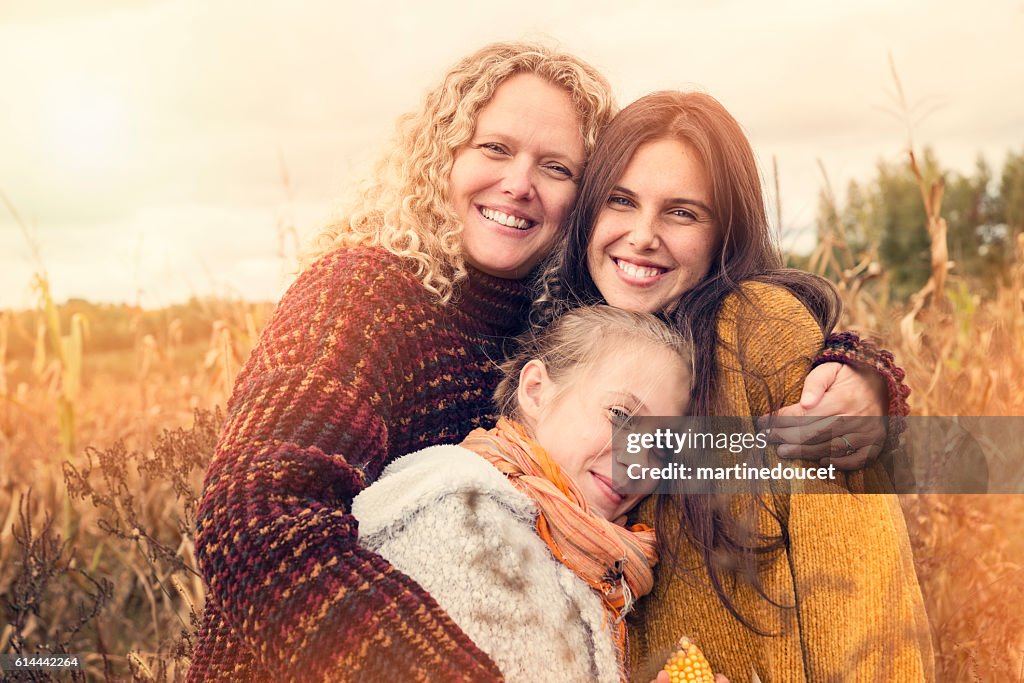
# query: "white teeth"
505, 219
637, 271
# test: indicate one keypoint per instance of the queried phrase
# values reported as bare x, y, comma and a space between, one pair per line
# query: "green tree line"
984, 212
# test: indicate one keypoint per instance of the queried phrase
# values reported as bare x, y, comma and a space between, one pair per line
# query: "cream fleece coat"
452, 522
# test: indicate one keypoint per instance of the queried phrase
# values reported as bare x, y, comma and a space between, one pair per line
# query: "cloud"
184, 110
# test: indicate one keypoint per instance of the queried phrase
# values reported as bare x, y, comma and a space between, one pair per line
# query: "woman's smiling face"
513, 184
656, 237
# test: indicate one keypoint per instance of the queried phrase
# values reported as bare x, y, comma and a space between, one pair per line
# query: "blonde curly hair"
405, 206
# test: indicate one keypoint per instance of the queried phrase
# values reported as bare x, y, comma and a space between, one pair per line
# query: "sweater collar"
497, 304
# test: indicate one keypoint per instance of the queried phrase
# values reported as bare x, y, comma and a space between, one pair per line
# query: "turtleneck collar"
499, 306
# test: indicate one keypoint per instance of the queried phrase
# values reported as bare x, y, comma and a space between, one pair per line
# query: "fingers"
835, 447
837, 389
791, 411
847, 452
817, 383
719, 678
817, 423
854, 461
847, 442
818, 431
826, 444
803, 432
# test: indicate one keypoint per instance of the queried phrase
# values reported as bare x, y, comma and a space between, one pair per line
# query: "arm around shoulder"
309, 418
767, 340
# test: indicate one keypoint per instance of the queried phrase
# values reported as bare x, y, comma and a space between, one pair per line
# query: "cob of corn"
688, 664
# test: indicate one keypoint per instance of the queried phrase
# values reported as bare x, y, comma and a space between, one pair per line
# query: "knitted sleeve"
850, 349
767, 342
292, 597
859, 613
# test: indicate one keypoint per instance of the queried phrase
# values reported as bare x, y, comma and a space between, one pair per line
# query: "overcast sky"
144, 141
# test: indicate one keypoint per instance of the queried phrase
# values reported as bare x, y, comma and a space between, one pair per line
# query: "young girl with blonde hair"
518, 532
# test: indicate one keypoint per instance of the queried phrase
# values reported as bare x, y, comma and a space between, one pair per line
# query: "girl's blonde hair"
577, 339
405, 207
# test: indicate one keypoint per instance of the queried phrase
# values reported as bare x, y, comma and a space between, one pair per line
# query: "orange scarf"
615, 561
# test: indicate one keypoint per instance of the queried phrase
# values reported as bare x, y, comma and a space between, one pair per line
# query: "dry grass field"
102, 455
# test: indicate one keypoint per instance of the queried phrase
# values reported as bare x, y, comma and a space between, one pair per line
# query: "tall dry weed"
963, 356
101, 562
49, 601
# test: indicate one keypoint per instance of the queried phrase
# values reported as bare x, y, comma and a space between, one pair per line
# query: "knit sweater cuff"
850, 349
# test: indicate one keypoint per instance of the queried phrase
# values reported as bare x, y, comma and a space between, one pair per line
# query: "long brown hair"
748, 252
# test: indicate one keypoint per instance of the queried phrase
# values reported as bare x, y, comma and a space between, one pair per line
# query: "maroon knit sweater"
358, 366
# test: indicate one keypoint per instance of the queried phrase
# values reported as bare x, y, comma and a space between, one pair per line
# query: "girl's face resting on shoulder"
574, 420
655, 238
513, 184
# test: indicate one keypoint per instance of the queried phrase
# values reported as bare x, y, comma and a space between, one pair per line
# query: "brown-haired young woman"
671, 219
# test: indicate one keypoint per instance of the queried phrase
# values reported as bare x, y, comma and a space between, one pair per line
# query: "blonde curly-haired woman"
385, 345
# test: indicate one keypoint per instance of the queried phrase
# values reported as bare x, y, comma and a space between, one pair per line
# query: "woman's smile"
638, 271
507, 217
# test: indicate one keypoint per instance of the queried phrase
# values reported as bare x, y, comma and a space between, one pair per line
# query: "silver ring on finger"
850, 450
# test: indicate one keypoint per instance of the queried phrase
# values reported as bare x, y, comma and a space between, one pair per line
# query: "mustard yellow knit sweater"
855, 608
